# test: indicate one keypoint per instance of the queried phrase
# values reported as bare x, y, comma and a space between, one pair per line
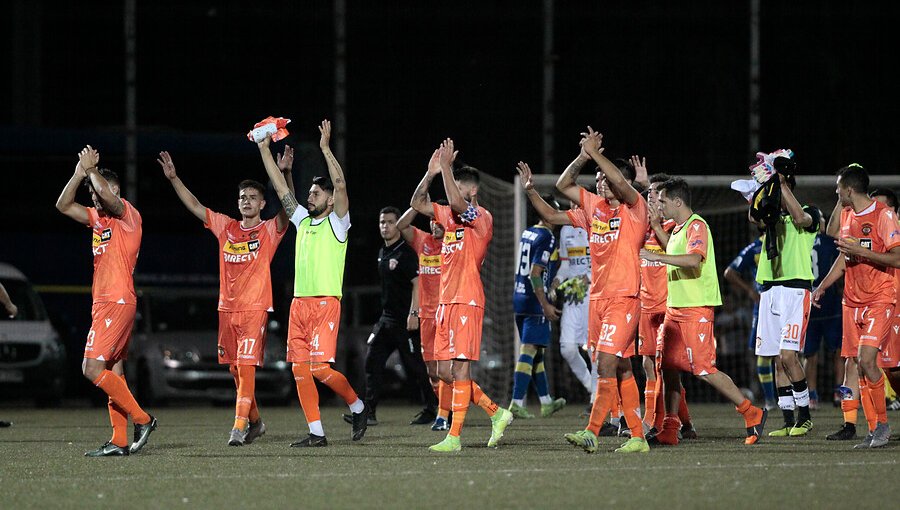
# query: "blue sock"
766, 380
813, 395
522, 376
541, 384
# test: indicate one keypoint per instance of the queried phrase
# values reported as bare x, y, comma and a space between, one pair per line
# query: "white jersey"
574, 254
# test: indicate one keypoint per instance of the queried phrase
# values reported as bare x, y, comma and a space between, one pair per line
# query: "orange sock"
334, 380
850, 407
631, 406
876, 392
307, 392
118, 391
603, 403
245, 391
865, 397
483, 401
660, 407
752, 415
253, 414
669, 433
462, 394
445, 399
118, 418
684, 414
650, 402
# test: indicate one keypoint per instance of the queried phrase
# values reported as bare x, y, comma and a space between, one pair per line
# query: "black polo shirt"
397, 266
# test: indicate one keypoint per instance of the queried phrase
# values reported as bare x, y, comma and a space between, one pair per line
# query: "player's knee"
91, 371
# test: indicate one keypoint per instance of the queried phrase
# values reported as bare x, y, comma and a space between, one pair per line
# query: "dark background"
667, 80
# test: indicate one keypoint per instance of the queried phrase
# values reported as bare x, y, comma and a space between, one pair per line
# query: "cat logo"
615, 223
866, 242
459, 234
106, 235
253, 245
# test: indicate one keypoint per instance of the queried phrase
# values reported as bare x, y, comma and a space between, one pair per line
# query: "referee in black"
398, 326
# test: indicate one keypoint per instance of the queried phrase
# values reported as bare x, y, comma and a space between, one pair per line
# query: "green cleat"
521, 411
801, 429
634, 445
501, 419
584, 439
449, 444
547, 410
782, 432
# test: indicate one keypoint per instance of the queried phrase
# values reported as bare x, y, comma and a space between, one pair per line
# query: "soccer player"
743, 266
460, 314
245, 285
116, 240
398, 271
533, 314
315, 317
786, 283
571, 283
617, 219
889, 360
653, 311
869, 239
825, 322
693, 291
427, 246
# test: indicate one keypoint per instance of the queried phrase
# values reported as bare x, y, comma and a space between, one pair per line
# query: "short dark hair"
891, 196
659, 178
468, 174
110, 176
550, 198
324, 183
250, 183
855, 177
626, 168
390, 210
677, 188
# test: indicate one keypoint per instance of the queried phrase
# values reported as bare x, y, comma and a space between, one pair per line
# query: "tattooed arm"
288, 200
420, 201
341, 201
566, 184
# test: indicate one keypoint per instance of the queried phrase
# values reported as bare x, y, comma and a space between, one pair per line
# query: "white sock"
357, 407
787, 402
519, 402
546, 400
802, 398
315, 427
570, 352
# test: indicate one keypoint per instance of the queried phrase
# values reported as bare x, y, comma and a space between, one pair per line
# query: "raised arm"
420, 201
288, 200
66, 202
641, 176
547, 212
112, 204
285, 164
567, 183
834, 222
405, 225
800, 217
617, 182
7, 303
341, 202
187, 198
447, 154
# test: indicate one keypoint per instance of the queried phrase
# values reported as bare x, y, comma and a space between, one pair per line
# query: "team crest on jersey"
254, 234
392, 264
867, 228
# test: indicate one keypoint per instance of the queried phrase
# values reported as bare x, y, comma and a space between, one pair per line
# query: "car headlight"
174, 357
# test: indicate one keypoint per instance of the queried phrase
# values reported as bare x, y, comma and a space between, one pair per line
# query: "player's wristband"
414, 313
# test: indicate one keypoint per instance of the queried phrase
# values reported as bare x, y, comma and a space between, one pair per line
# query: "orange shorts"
313, 329
111, 325
868, 325
890, 349
242, 337
458, 332
427, 332
613, 325
688, 343
648, 331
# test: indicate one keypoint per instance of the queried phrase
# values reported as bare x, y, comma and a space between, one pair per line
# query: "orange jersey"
616, 237
653, 274
116, 243
245, 283
865, 282
429, 251
462, 253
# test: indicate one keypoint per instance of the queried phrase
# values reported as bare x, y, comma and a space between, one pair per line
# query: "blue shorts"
751, 341
829, 329
533, 329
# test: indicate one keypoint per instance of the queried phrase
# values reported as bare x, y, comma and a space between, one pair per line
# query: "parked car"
32, 356
173, 352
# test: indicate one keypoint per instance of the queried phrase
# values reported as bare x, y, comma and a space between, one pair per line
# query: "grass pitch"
187, 464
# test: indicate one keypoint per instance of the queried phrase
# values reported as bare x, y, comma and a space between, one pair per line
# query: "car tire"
146, 396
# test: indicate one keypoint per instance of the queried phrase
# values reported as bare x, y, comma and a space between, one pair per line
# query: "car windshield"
26, 300
183, 312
